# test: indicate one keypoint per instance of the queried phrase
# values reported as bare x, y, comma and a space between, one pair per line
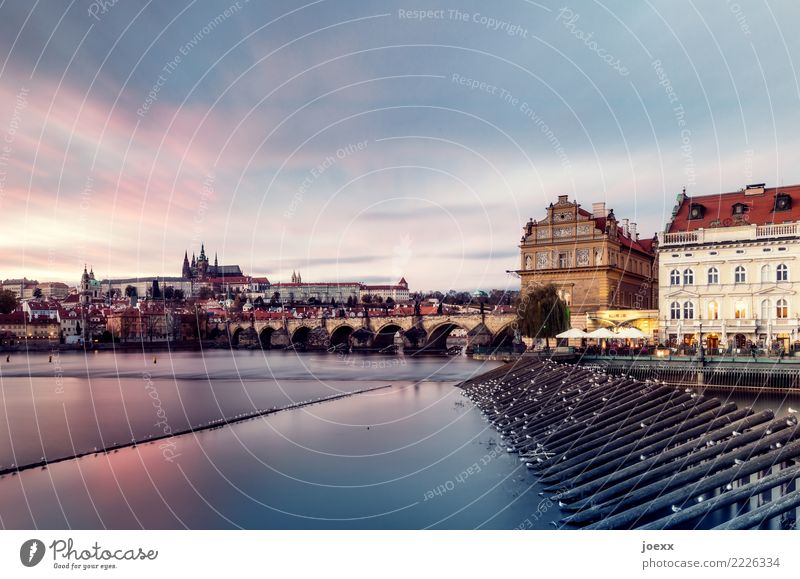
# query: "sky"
365, 141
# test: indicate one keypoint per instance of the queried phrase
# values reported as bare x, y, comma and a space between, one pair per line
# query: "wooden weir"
623, 453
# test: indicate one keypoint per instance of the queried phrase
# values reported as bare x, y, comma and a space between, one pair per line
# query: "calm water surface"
414, 455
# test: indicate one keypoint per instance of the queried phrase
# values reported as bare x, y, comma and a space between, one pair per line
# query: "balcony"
776, 230
732, 233
681, 237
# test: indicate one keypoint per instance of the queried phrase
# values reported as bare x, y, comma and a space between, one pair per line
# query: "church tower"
85, 294
202, 263
186, 272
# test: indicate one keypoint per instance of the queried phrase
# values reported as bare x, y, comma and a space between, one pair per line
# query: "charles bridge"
428, 332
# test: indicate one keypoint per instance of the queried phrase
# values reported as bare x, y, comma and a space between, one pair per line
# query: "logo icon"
32, 552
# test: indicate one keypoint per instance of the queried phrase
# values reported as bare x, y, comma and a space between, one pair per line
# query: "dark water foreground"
414, 455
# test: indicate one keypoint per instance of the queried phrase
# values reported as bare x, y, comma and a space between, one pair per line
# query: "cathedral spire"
215, 259
186, 271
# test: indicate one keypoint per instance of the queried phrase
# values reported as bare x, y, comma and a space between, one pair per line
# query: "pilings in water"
213, 424
621, 453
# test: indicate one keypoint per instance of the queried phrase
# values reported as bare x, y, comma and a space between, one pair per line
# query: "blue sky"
363, 141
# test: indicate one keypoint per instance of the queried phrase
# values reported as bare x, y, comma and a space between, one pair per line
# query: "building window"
739, 208
713, 275
782, 309
688, 277
688, 311
740, 310
563, 260
766, 273
713, 311
740, 274
783, 202
782, 273
674, 277
675, 311
765, 310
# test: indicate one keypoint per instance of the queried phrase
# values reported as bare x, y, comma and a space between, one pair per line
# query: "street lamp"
702, 349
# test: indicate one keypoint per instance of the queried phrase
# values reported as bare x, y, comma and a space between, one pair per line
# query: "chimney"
625, 231
634, 233
599, 210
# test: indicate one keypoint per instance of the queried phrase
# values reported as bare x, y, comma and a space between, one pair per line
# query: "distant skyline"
370, 141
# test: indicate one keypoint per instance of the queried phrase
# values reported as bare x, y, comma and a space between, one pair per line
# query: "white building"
729, 269
398, 292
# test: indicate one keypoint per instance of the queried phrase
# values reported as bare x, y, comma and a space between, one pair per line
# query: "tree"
156, 291
178, 295
130, 291
366, 298
8, 301
542, 314
390, 301
350, 301
37, 293
378, 300
169, 293
275, 299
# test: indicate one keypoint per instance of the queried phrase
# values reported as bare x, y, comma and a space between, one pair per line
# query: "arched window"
688, 277
713, 310
782, 309
674, 277
740, 274
688, 311
740, 310
713, 275
766, 273
675, 311
765, 309
782, 273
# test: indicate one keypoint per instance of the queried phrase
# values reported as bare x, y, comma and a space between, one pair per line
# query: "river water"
416, 455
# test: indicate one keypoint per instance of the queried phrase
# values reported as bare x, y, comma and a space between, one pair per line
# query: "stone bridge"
374, 333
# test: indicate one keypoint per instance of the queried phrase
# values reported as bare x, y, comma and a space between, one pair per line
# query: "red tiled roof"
718, 209
16, 317
643, 245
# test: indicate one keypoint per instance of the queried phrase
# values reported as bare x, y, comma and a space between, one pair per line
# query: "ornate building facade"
598, 264
729, 269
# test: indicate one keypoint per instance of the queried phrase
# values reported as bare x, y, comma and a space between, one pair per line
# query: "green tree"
8, 301
366, 298
37, 293
130, 291
541, 313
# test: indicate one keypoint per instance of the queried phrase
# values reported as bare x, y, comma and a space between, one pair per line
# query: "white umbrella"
633, 333
572, 333
602, 333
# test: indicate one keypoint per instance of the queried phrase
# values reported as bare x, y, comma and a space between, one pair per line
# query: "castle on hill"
201, 269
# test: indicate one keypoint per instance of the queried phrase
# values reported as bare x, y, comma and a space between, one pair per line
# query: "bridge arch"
341, 335
300, 336
384, 337
504, 337
265, 337
438, 335
233, 335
